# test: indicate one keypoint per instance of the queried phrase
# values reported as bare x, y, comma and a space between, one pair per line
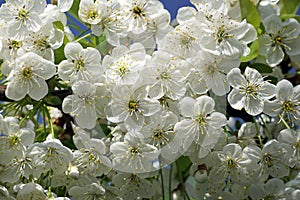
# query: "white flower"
131, 106
209, 72
30, 190
166, 75
292, 138
122, 67
226, 36
112, 24
199, 120
137, 13
13, 143
232, 166
11, 50
81, 64
84, 104
272, 160
133, 186
159, 131
91, 11
184, 41
133, 155
280, 38
28, 77
249, 91
44, 42
22, 17
90, 157
287, 101
273, 189
50, 155
20, 166
87, 192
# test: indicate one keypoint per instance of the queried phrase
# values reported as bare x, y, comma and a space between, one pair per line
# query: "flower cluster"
137, 107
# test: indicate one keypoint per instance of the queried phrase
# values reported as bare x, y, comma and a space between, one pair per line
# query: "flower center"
138, 12
267, 159
79, 65
92, 14
288, 106
231, 163
158, 134
222, 34
122, 70
251, 90
134, 150
14, 45
164, 75
135, 180
164, 101
211, 69
186, 40
14, 140
26, 72
41, 44
133, 106
201, 120
22, 14
88, 99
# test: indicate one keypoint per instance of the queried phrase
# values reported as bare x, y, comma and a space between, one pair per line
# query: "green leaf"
272, 79
184, 163
262, 68
250, 13
253, 52
53, 100
59, 54
288, 16
59, 25
102, 45
289, 6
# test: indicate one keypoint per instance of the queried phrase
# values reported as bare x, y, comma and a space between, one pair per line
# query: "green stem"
50, 121
162, 183
170, 183
50, 183
284, 122
258, 135
186, 196
83, 37
29, 112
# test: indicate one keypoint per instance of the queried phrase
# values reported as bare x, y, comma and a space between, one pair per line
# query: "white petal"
284, 90
64, 5
204, 105
272, 108
236, 99
16, 90
275, 56
254, 106
186, 106
72, 50
87, 117
38, 89
235, 78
